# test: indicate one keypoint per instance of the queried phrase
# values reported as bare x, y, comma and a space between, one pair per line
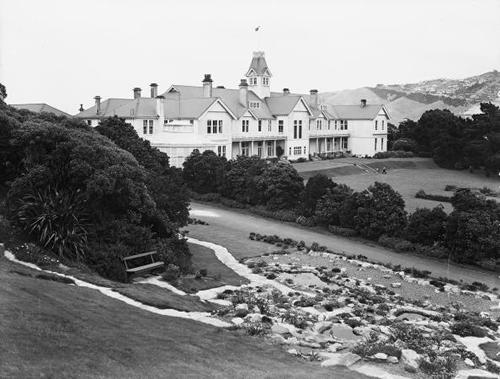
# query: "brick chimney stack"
207, 85
154, 90
244, 92
97, 104
137, 92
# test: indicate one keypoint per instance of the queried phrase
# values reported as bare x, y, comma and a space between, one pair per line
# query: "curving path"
230, 228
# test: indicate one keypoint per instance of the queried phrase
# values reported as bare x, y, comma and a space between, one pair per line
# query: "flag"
257, 28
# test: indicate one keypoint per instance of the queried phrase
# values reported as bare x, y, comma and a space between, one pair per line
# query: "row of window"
147, 126
338, 124
214, 126
297, 150
382, 124
253, 81
245, 148
221, 151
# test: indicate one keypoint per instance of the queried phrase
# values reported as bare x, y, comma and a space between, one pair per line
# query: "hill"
412, 100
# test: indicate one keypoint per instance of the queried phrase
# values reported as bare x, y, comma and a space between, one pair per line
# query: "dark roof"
39, 108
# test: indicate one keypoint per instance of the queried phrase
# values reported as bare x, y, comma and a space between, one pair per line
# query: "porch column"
264, 149
251, 148
326, 149
274, 148
317, 145
239, 153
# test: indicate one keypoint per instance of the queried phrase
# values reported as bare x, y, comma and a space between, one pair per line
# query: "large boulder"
410, 359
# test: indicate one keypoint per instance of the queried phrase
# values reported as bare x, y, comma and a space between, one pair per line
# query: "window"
381, 144
297, 150
150, 126
375, 144
259, 149
304, 150
220, 128
300, 129
269, 126
342, 123
191, 122
383, 122
329, 124
144, 126
344, 143
323, 107
244, 125
295, 129
254, 104
245, 148
209, 126
376, 124
319, 124
221, 151
289, 151
280, 126
265, 81
260, 125
89, 122
270, 149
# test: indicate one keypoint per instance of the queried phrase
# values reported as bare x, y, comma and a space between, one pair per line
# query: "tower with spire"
259, 75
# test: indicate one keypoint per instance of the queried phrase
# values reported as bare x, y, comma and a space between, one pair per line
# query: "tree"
241, 177
427, 226
315, 188
381, 211
204, 172
165, 183
329, 207
281, 186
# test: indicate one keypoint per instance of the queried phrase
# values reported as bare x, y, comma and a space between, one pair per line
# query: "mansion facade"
249, 120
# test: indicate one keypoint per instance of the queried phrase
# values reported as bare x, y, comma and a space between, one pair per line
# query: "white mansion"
250, 120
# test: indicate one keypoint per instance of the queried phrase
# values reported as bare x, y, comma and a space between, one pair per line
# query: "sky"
66, 52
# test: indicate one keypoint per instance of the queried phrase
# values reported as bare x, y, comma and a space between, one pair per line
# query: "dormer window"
253, 81
265, 81
254, 104
323, 107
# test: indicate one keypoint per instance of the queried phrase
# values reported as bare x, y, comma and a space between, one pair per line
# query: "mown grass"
54, 330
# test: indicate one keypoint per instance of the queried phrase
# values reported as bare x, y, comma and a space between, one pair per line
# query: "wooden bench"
143, 268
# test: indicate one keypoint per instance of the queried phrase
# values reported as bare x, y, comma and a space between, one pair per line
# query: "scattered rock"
292, 351
379, 357
254, 317
469, 362
476, 374
237, 320
396, 285
393, 360
279, 329
323, 326
410, 359
341, 359
241, 306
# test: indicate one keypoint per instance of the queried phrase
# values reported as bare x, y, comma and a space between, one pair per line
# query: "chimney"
160, 109
207, 85
154, 90
244, 92
286, 91
363, 103
81, 108
97, 104
314, 98
137, 92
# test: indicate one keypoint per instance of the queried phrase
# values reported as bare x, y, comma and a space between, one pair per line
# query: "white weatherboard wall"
301, 113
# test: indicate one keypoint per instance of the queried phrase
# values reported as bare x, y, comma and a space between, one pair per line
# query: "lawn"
218, 274
54, 330
405, 176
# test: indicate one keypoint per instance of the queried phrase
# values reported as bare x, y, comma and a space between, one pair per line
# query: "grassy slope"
55, 330
405, 176
218, 274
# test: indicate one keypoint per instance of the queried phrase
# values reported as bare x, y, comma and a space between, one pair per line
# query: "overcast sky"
65, 52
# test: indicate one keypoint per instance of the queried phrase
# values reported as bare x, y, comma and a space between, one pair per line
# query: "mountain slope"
412, 100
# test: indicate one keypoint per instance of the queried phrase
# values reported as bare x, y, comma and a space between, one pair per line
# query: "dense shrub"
332, 205
393, 154
426, 226
204, 172
404, 144
315, 188
381, 211
345, 232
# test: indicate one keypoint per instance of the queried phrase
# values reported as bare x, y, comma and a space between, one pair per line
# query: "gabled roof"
284, 105
356, 112
191, 108
258, 65
230, 97
39, 108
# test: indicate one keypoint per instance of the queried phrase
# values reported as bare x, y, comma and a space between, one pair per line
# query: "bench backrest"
130, 257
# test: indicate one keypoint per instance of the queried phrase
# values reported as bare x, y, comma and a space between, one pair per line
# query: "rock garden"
346, 311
